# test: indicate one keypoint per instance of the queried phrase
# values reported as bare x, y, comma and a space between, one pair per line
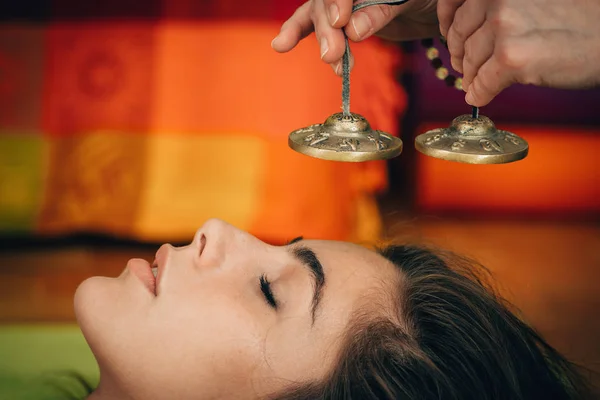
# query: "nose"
217, 241
162, 255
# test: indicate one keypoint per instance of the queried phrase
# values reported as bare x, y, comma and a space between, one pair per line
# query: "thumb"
491, 79
366, 22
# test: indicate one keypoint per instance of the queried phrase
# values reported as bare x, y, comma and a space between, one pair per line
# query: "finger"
491, 79
337, 67
467, 19
299, 26
332, 43
338, 12
446, 10
366, 22
479, 48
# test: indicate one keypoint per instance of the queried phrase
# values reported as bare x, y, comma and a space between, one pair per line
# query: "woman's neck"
107, 391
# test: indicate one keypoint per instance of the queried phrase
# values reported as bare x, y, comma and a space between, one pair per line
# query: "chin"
92, 303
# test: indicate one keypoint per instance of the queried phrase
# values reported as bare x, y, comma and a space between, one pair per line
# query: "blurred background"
126, 124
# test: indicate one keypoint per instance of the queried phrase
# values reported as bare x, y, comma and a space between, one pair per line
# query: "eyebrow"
308, 258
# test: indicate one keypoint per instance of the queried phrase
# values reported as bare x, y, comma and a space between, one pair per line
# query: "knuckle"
510, 57
386, 12
503, 19
454, 43
459, 26
457, 32
445, 8
475, 90
470, 51
484, 87
289, 23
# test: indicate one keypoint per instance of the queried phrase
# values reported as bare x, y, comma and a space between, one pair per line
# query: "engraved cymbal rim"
346, 138
472, 141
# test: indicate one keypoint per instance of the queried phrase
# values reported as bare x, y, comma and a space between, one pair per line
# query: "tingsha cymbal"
472, 140
345, 137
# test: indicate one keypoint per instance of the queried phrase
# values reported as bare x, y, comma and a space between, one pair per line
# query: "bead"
458, 84
450, 80
441, 73
432, 53
437, 63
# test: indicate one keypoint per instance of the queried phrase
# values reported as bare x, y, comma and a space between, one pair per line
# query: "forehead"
327, 249
352, 272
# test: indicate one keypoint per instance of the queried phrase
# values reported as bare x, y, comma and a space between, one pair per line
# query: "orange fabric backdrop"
560, 176
148, 128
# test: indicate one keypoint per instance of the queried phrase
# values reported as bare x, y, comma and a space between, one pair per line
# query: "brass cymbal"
473, 140
345, 137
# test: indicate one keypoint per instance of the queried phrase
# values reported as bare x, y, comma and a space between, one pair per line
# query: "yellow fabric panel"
190, 179
93, 183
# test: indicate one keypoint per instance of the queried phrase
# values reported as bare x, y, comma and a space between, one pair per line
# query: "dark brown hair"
456, 339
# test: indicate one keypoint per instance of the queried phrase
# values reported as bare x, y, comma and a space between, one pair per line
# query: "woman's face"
231, 316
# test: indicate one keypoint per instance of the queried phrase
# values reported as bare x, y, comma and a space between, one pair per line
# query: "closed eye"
265, 287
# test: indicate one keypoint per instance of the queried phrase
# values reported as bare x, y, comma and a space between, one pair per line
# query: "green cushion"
36, 361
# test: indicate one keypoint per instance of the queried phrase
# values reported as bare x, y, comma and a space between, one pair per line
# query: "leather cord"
346, 58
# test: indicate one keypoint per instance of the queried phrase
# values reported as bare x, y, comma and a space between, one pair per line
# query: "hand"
413, 20
496, 43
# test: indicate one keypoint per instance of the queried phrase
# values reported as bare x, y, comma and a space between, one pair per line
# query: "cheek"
208, 318
298, 354
211, 340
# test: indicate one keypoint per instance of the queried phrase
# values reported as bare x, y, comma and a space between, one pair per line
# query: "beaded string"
441, 72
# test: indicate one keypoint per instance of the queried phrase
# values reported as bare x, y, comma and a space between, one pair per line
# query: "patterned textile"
144, 119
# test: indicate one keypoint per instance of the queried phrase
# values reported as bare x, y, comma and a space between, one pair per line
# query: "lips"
142, 270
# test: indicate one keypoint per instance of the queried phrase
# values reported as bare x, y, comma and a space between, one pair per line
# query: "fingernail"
273, 41
324, 47
334, 14
361, 23
469, 98
456, 64
338, 68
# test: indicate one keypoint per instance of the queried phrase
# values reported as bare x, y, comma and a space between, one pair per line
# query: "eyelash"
265, 287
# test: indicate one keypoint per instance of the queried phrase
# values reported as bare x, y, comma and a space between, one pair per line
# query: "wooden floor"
550, 270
